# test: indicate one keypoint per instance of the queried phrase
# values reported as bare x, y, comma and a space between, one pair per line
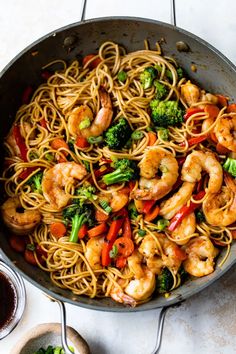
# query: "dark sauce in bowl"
8, 300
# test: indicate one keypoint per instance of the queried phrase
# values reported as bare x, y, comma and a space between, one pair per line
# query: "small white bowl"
47, 334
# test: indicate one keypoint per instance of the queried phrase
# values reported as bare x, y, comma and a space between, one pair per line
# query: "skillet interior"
214, 73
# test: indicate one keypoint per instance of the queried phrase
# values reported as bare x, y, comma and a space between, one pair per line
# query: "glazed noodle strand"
113, 173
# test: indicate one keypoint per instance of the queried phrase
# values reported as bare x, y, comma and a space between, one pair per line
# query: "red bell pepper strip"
106, 259
195, 140
114, 229
93, 62
27, 94
191, 111
184, 211
127, 228
102, 171
43, 123
147, 205
46, 75
111, 237
25, 173
20, 142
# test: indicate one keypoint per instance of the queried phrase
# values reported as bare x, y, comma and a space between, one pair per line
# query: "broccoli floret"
180, 73
133, 212
85, 193
165, 281
78, 215
199, 216
125, 170
163, 133
183, 275
161, 90
117, 136
147, 77
230, 166
36, 182
166, 113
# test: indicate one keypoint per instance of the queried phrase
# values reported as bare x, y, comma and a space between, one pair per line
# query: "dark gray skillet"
214, 73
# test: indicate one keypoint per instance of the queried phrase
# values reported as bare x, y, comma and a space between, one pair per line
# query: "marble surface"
205, 323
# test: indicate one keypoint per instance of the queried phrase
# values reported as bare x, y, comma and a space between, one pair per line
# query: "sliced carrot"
152, 138
58, 229
30, 257
124, 245
121, 262
100, 216
97, 230
231, 108
17, 243
152, 214
127, 232
82, 142
93, 62
222, 100
221, 149
59, 143
212, 110
147, 205
83, 231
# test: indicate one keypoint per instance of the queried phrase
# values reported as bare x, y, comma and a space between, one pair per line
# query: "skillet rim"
179, 298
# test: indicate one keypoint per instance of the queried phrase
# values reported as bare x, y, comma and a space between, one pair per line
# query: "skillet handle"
63, 326
160, 326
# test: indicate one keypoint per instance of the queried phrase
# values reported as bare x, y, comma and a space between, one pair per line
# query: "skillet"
83, 38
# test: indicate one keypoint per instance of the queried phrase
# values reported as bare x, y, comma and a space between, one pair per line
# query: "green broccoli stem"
116, 176
77, 222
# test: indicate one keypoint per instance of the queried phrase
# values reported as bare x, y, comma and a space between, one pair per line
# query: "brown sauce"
7, 300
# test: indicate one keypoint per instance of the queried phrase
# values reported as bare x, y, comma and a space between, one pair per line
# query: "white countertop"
206, 323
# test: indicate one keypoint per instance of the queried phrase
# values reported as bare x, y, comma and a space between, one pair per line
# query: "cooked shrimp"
116, 200
118, 294
208, 97
155, 264
225, 131
200, 260
184, 230
58, 177
97, 125
170, 207
190, 93
93, 252
20, 222
141, 289
220, 208
170, 254
135, 264
198, 161
149, 246
207, 123
152, 187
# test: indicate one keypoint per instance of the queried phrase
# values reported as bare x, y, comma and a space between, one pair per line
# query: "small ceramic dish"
47, 334
12, 298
